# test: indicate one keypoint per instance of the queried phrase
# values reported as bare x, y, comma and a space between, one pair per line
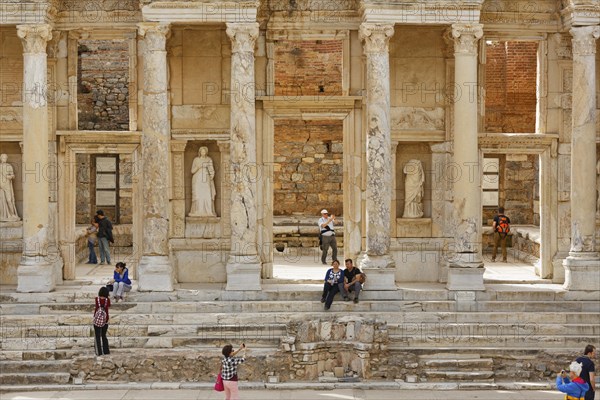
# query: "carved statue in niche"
8, 209
413, 189
203, 185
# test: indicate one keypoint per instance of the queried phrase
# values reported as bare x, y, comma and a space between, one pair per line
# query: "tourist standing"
334, 282
588, 370
501, 228
121, 282
101, 317
229, 365
327, 233
573, 386
104, 236
92, 239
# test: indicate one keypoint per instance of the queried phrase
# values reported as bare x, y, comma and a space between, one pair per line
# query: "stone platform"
420, 333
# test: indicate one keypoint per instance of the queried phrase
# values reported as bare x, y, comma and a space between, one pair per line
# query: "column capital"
156, 35
34, 37
466, 37
243, 36
376, 36
584, 40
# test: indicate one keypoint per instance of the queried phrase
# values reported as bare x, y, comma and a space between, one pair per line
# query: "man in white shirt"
327, 236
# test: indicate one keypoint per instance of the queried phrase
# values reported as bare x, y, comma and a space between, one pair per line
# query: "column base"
243, 276
155, 274
582, 271
35, 275
380, 271
465, 278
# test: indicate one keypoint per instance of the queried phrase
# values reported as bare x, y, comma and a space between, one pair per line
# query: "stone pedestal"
34, 271
413, 227
465, 271
203, 227
582, 267
244, 266
377, 262
155, 274
155, 158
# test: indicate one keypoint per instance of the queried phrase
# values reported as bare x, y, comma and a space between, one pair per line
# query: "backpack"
503, 226
100, 315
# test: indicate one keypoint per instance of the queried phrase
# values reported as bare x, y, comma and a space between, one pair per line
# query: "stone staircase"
419, 333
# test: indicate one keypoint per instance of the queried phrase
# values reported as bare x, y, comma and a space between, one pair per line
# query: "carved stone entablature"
520, 142
200, 11
407, 118
540, 14
421, 12
580, 12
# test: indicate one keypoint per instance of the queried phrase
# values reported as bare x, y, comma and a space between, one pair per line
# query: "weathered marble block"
413, 228
203, 227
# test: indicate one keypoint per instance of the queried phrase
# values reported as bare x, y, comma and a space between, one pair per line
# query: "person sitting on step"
121, 282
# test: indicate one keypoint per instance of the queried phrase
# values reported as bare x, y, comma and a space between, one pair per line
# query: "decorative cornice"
243, 36
466, 37
34, 37
376, 37
584, 40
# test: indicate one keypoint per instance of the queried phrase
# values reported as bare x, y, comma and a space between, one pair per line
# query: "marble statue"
8, 210
203, 185
413, 189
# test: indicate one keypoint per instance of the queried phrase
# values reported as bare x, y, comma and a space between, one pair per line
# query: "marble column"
34, 273
465, 267
243, 265
377, 261
155, 271
582, 266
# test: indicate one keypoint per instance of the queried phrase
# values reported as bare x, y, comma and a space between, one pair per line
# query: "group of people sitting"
344, 281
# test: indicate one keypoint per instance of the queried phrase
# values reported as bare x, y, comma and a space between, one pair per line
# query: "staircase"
419, 333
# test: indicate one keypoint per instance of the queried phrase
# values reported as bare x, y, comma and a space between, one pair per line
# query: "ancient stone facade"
301, 107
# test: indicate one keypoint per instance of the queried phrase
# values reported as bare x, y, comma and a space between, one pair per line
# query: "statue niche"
8, 209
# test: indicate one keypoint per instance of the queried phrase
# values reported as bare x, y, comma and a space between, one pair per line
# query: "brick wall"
309, 67
103, 85
510, 84
308, 167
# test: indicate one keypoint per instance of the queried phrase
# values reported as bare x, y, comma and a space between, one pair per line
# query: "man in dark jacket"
104, 236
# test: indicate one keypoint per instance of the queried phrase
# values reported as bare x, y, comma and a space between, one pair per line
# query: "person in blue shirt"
574, 387
121, 282
334, 282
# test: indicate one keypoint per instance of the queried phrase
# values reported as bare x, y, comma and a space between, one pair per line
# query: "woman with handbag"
229, 365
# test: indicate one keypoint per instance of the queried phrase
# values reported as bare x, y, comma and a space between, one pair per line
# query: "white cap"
324, 211
575, 367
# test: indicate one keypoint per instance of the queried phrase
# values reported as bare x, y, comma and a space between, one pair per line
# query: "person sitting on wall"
334, 281
353, 280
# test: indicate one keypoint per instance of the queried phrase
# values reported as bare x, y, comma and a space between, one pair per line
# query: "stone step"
492, 329
300, 291
471, 376
29, 366
461, 364
484, 342
181, 307
34, 378
191, 342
